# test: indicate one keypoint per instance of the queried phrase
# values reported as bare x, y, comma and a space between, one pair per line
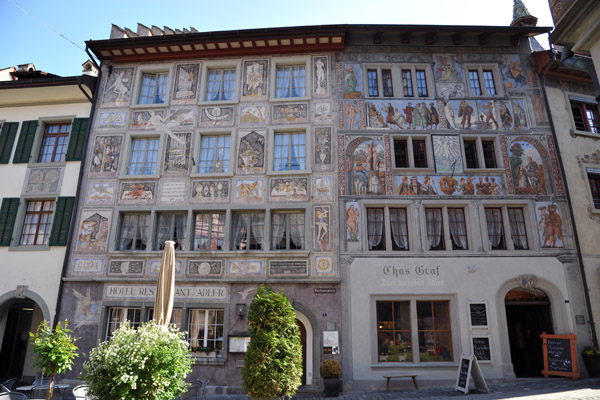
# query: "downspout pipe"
585, 64
586, 290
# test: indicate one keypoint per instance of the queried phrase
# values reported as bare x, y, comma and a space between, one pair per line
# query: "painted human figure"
465, 111
489, 115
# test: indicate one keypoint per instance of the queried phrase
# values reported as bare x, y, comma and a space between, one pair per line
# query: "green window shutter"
77, 139
8, 213
25, 143
7, 139
62, 221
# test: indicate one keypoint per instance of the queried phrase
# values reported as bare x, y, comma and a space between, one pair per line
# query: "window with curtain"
495, 228
458, 228
435, 228
38, 223
214, 154
290, 81
119, 315
287, 230
144, 156
435, 334
517, 228
394, 336
209, 231
399, 227
376, 228
154, 88
135, 231
289, 152
205, 329
220, 85
171, 226
248, 231
54, 143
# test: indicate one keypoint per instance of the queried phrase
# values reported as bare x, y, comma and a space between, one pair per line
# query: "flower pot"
332, 387
592, 364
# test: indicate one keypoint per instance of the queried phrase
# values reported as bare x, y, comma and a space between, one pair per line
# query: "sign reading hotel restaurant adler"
143, 292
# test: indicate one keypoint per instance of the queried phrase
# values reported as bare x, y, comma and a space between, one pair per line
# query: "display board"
560, 357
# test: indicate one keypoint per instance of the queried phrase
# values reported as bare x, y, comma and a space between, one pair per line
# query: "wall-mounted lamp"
240, 309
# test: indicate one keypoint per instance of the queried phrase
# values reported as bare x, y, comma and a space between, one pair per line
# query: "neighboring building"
44, 125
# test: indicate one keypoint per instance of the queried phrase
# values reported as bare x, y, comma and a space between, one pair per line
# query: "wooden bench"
413, 376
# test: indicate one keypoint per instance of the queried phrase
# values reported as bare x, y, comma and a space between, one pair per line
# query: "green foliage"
150, 362
331, 369
273, 363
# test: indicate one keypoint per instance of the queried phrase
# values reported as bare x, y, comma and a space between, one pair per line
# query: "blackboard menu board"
478, 313
559, 355
481, 348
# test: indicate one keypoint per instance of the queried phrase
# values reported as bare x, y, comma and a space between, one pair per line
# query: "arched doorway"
528, 314
17, 319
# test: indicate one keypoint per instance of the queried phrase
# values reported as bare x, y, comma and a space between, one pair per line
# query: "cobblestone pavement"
521, 389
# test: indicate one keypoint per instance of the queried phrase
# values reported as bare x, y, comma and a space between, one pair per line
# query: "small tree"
273, 363
55, 350
150, 362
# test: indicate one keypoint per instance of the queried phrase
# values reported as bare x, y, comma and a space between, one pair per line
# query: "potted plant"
591, 359
331, 372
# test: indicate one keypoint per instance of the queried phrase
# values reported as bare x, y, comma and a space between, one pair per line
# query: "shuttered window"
8, 213
7, 139
26, 137
62, 221
77, 139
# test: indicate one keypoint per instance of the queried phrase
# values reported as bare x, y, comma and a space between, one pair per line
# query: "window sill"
575, 133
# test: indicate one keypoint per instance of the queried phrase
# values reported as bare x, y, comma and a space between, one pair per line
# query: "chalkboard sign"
469, 367
478, 313
559, 355
481, 348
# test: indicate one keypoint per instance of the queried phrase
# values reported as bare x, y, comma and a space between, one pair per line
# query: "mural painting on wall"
253, 114
249, 190
352, 222
539, 108
322, 224
251, 151
550, 225
92, 236
117, 91
216, 116
100, 193
366, 164
514, 74
177, 153
111, 120
447, 69
447, 154
126, 267
350, 115
105, 157
352, 81
254, 80
322, 155
520, 120
324, 265
401, 114
210, 191
245, 267
137, 192
205, 268
43, 180
457, 185
320, 76
322, 188
86, 310
186, 84
289, 189
284, 113
527, 166
323, 112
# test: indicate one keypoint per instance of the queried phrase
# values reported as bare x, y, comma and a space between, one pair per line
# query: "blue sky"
29, 39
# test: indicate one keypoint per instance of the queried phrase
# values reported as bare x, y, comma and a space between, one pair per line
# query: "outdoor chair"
12, 396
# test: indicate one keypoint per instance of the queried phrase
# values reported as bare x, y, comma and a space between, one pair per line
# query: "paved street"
522, 389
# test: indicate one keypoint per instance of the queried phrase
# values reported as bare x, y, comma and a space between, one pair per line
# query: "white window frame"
290, 61
411, 154
198, 148
129, 147
580, 99
481, 165
219, 65
445, 226
528, 218
308, 149
484, 92
137, 87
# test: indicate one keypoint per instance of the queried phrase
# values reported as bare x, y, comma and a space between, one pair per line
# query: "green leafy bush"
150, 362
331, 369
273, 363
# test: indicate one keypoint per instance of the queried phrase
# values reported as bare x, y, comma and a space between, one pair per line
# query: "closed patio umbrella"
165, 288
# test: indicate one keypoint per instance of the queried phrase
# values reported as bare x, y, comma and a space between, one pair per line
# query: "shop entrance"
16, 335
528, 315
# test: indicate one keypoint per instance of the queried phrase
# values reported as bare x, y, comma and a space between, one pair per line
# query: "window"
248, 231
289, 152
209, 231
290, 81
135, 231
144, 156
287, 230
411, 152
214, 154
396, 321
495, 217
377, 77
37, 223
482, 80
205, 327
154, 88
171, 226
118, 315
221, 84
435, 228
585, 114
54, 143
378, 230
594, 181
480, 153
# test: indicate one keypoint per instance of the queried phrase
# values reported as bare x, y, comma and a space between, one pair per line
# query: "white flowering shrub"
150, 362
